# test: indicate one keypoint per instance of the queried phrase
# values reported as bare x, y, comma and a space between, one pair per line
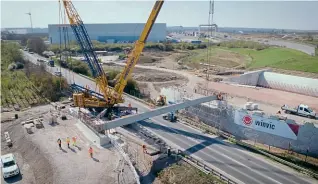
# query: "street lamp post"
30, 20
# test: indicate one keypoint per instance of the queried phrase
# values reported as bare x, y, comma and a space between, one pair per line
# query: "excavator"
106, 100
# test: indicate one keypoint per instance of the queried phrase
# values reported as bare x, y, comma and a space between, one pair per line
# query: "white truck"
301, 110
9, 166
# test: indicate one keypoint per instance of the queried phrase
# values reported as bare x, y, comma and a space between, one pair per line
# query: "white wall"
267, 79
295, 84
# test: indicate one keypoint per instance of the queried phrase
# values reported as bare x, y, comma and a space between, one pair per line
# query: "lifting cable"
210, 32
66, 39
65, 47
60, 34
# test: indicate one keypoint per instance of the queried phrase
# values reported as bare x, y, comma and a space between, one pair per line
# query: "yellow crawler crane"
109, 96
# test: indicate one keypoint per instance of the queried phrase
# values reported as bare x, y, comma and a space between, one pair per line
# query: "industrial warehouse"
110, 33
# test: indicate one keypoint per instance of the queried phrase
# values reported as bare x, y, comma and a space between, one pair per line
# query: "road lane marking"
239, 163
257, 181
282, 177
177, 146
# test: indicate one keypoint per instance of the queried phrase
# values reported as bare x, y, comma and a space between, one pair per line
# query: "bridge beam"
156, 112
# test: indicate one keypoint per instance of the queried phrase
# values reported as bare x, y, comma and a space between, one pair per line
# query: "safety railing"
125, 156
187, 158
204, 167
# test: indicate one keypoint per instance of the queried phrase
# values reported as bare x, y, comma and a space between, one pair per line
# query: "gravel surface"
41, 161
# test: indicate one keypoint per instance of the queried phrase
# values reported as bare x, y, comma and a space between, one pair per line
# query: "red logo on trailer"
247, 120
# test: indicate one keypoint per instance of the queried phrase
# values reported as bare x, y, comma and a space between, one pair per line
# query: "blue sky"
254, 14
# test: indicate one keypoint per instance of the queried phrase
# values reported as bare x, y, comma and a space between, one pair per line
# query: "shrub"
112, 74
201, 46
122, 56
169, 47
131, 87
79, 67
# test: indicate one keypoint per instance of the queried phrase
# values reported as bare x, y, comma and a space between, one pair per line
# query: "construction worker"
60, 143
90, 151
74, 141
68, 142
144, 149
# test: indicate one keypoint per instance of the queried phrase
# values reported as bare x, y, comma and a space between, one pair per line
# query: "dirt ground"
220, 61
41, 161
162, 59
151, 81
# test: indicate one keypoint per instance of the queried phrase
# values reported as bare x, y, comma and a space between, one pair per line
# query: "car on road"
31, 52
9, 166
58, 74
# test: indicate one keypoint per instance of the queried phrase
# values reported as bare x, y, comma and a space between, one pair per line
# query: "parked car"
9, 166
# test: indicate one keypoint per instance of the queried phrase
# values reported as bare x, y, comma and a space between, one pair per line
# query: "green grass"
217, 56
281, 58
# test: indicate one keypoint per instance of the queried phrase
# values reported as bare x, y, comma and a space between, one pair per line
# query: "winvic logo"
247, 120
267, 125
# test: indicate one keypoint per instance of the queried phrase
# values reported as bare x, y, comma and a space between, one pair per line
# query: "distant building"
25, 30
110, 33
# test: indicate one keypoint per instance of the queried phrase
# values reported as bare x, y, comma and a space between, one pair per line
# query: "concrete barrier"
267, 79
248, 78
295, 84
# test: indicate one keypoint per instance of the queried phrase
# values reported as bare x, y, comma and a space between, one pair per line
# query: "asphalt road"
243, 166
310, 50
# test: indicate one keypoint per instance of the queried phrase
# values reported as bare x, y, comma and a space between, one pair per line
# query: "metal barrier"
207, 169
186, 157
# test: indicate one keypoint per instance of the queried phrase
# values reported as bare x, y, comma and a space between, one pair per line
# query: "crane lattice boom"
112, 96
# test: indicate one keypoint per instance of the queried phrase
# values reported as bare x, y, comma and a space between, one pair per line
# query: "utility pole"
30, 20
